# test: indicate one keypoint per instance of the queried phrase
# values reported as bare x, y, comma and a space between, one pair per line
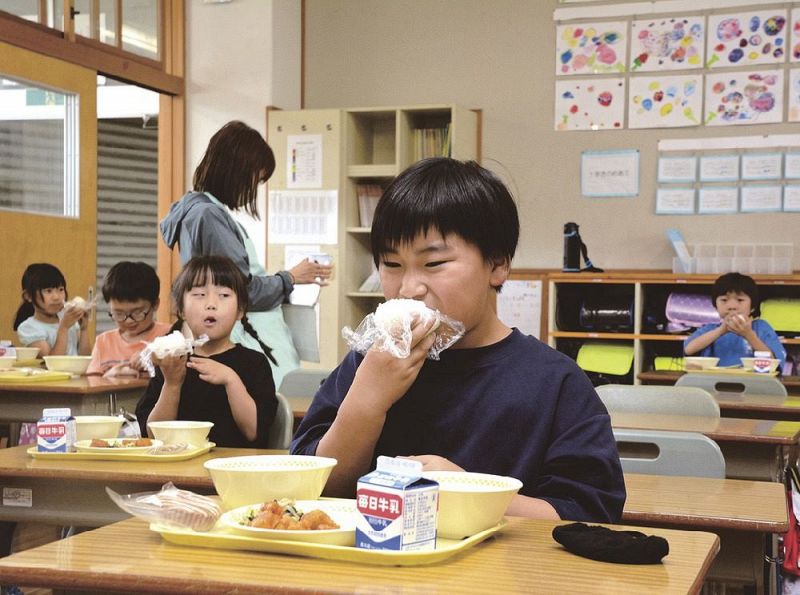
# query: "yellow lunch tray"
23, 377
733, 371
223, 539
115, 454
29, 363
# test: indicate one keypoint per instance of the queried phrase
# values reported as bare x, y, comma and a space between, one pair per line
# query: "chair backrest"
302, 382
656, 452
282, 428
670, 400
750, 384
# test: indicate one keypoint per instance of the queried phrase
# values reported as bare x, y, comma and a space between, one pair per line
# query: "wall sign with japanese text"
610, 173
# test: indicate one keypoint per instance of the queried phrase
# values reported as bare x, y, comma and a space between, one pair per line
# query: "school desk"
522, 559
792, 383
753, 448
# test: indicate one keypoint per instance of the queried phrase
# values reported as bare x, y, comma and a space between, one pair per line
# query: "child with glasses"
131, 291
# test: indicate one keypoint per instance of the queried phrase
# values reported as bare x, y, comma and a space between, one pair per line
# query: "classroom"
671, 179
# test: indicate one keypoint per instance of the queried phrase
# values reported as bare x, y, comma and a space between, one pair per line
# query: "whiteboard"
519, 305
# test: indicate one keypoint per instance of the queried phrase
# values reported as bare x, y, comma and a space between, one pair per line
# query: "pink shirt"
111, 349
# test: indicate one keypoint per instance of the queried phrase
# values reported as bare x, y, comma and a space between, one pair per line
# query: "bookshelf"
363, 149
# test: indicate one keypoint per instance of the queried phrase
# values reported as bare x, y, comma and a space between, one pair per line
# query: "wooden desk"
759, 406
792, 383
753, 448
522, 559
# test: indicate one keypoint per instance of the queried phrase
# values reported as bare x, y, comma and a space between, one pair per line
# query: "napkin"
609, 545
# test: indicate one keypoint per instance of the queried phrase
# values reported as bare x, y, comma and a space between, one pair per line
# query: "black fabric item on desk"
608, 545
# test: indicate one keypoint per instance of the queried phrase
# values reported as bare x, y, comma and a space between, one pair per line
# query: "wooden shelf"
365, 230
590, 335
385, 170
364, 294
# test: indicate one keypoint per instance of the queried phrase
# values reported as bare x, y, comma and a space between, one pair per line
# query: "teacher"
236, 162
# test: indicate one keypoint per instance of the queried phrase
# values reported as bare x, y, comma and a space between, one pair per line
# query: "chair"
656, 452
740, 383
281, 430
302, 382
669, 400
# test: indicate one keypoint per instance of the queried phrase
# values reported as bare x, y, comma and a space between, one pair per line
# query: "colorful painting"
794, 55
794, 95
591, 48
747, 38
667, 44
590, 104
744, 98
665, 102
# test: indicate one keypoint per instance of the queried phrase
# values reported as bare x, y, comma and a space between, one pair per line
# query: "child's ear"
500, 272
27, 297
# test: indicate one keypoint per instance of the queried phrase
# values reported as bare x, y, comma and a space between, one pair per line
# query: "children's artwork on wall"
744, 98
590, 104
746, 38
665, 102
794, 95
591, 48
794, 54
669, 43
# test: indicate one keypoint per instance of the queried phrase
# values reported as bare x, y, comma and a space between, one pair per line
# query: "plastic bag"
172, 344
170, 506
389, 329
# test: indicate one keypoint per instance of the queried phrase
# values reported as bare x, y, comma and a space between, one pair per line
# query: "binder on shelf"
368, 197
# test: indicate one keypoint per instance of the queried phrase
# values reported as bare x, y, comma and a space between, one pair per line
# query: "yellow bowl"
471, 502
174, 431
97, 426
7, 361
74, 364
240, 481
748, 363
27, 353
699, 363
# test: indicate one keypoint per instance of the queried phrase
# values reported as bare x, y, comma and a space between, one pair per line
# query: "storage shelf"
366, 230
591, 335
364, 294
384, 170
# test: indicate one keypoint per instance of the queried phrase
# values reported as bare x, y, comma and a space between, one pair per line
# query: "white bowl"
471, 502
240, 481
748, 363
7, 361
174, 431
74, 364
27, 353
699, 363
88, 427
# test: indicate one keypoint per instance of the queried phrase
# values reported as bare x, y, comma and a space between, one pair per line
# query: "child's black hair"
738, 283
221, 271
129, 281
452, 197
37, 277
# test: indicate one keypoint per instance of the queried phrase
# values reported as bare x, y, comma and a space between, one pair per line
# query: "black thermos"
572, 248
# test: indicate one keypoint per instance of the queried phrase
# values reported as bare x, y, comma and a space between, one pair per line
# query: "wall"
241, 57
499, 56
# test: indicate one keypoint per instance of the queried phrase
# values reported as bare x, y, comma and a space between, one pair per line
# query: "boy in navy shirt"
498, 401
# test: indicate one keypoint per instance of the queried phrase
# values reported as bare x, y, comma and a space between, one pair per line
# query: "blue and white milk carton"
56, 431
397, 507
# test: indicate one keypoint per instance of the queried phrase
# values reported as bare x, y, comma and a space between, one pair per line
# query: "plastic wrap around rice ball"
174, 344
389, 329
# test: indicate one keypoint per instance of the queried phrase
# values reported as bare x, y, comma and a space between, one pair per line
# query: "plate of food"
106, 445
331, 522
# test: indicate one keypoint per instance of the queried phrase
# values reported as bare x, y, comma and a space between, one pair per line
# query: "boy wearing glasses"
131, 291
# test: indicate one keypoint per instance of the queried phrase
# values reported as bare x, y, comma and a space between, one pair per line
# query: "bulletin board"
520, 303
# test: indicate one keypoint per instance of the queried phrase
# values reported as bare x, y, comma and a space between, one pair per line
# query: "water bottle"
572, 248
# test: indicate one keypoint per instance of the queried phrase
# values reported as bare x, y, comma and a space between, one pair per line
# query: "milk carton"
55, 432
397, 507
761, 362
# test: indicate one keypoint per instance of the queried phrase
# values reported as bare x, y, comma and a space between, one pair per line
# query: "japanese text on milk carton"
397, 507
55, 431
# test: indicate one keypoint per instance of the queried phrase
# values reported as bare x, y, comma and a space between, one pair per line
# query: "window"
38, 149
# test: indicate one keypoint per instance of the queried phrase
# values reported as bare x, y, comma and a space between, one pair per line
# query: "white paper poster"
718, 199
794, 52
761, 198
719, 168
667, 43
665, 101
591, 48
794, 91
590, 104
677, 169
791, 198
761, 166
675, 201
304, 161
791, 166
747, 97
519, 305
302, 216
745, 39
610, 173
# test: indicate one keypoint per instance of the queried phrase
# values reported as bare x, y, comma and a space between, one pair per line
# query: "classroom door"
48, 173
